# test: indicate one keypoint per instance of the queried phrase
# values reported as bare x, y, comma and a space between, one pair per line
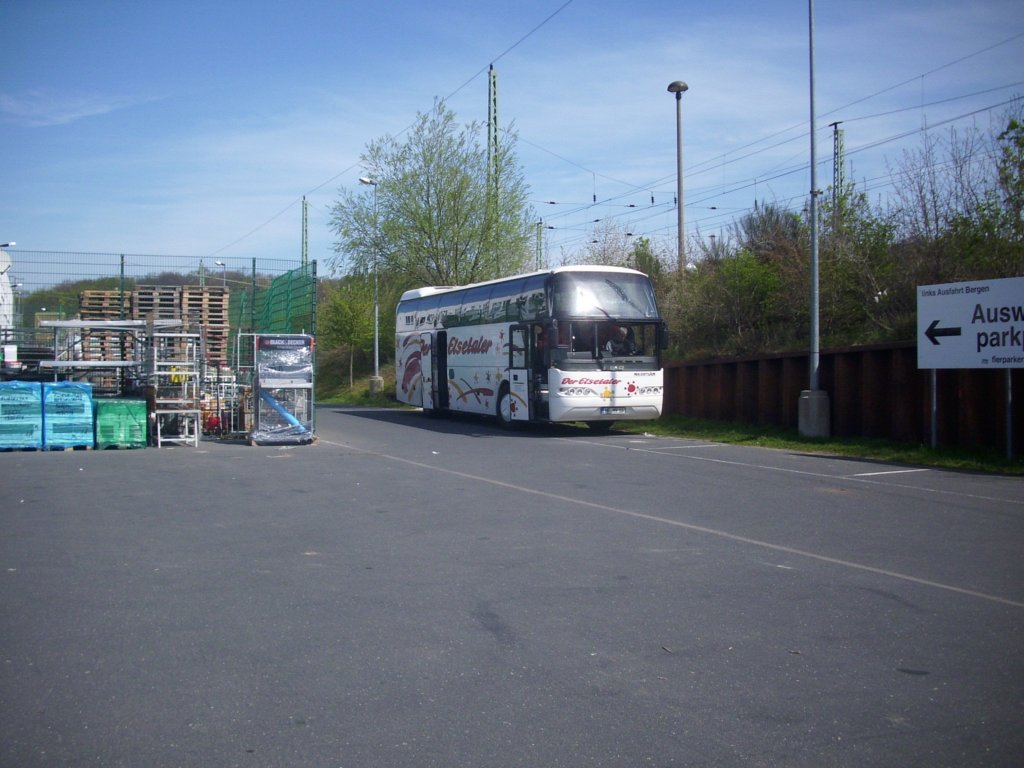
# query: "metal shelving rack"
105, 353
174, 366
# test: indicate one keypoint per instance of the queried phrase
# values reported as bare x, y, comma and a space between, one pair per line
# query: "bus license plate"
613, 411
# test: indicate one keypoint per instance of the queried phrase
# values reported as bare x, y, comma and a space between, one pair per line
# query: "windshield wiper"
624, 296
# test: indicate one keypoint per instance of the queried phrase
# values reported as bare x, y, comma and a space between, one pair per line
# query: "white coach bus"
568, 344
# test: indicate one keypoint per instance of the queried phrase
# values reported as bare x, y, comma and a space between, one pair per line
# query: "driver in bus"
620, 343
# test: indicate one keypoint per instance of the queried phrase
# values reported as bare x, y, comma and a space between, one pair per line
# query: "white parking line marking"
889, 472
688, 526
806, 473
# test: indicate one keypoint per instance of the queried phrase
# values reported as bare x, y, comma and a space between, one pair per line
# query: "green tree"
1011, 177
345, 321
726, 306
442, 212
980, 185
779, 240
644, 258
865, 295
609, 246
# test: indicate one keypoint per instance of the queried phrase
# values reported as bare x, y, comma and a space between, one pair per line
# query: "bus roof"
416, 293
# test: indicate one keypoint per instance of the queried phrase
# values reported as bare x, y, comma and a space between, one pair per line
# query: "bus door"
519, 371
439, 372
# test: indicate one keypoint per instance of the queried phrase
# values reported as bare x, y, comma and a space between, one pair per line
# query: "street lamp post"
375, 381
813, 408
17, 322
678, 87
5, 267
223, 274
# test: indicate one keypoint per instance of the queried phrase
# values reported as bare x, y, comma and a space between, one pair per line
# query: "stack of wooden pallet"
159, 302
208, 307
198, 308
103, 306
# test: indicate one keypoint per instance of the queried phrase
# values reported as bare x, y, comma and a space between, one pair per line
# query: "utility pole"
813, 411
375, 381
678, 87
838, 172
492, 124
492, 165
540, 242
305, 232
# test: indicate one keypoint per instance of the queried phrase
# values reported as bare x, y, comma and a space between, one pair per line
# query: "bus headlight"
576, 392
648, 390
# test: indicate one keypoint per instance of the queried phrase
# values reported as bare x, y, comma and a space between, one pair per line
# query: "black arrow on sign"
934, 332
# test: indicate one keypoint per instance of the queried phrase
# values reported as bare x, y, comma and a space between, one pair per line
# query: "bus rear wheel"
504, 408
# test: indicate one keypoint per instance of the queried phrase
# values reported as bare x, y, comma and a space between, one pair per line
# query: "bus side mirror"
663, 336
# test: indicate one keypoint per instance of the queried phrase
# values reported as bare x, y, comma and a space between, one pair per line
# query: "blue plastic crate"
68, 415
21, 415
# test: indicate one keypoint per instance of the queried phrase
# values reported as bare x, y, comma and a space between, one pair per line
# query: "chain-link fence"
231, 297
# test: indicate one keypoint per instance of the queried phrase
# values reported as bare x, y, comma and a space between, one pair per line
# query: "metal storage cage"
283, 389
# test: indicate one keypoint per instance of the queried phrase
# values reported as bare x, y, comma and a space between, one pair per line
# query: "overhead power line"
338, 175
511, 48
712, 164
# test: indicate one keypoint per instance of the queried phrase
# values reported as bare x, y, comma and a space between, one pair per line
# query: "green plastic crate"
120, 423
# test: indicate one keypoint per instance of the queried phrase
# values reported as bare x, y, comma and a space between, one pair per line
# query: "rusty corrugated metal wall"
874, 391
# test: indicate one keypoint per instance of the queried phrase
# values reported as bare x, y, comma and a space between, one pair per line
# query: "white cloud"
232, 147
41, 108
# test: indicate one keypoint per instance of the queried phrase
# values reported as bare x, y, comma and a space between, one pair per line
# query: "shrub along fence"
874, 391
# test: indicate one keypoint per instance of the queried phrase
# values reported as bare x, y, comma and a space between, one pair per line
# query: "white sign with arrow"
978, 324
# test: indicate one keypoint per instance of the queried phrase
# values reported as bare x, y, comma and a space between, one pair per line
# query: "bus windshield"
604, 295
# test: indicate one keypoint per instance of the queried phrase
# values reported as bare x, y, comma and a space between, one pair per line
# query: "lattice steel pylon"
492, 126
305, 231
492, 152
838, 163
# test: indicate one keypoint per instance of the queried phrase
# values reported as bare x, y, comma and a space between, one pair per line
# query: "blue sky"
195, 128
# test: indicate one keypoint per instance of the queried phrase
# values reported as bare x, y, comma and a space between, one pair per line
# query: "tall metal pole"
540, 243
814, 361
814, 408
120, 292
376, 295
375, 382
491, 222
252, 300
678, 87
838, 173
305, 232
17, 321
1009, 414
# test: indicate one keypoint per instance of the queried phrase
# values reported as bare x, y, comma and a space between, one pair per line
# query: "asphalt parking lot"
414, 592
